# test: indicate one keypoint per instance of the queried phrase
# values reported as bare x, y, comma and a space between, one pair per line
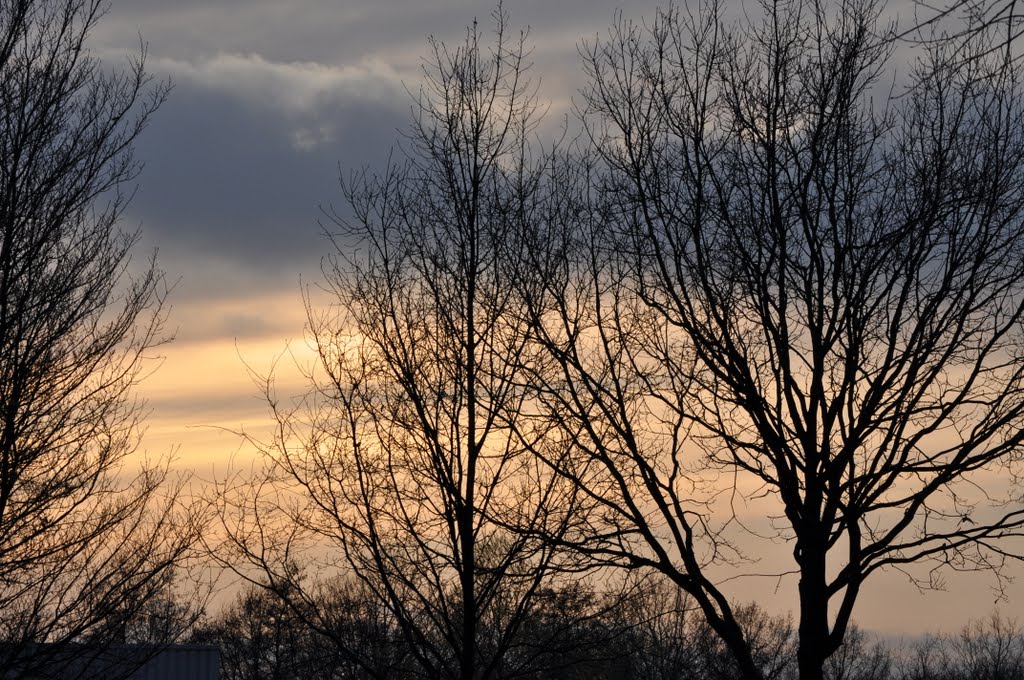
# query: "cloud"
299, 87
232, 178
305, 94
264, 115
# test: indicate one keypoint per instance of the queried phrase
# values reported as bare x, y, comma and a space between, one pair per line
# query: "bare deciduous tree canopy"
404, 459
82, 544
787, 276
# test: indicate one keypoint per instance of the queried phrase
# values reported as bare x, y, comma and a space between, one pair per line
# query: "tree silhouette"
788, 280
81, 548
404, 458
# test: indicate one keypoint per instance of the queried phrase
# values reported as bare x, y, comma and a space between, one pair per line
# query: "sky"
271, 100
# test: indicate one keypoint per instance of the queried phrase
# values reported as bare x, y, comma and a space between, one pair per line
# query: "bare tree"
79, 545
792, 281
403, 462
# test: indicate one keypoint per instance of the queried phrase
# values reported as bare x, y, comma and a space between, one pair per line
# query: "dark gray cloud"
243, 181
329, 31
271, 99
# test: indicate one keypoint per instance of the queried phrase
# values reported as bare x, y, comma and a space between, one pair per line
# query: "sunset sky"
270, 99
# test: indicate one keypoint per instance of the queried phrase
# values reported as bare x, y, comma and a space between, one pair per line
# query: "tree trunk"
813, 633
469, 614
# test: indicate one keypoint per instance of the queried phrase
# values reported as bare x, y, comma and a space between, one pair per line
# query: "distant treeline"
644, 630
